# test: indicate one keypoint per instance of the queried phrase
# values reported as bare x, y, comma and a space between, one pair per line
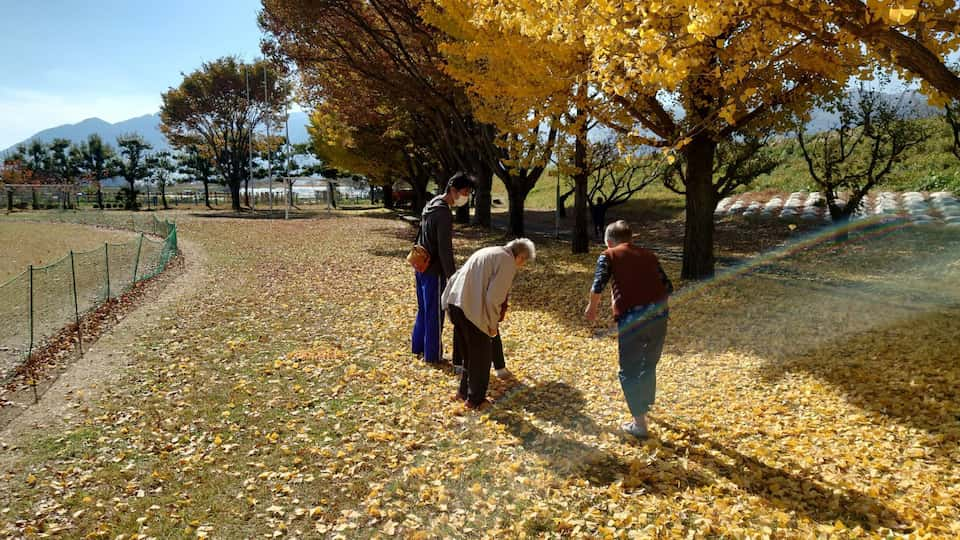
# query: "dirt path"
102, 365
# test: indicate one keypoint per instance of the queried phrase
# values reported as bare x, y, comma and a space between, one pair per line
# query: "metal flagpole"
286, 168
250, 153
266, 94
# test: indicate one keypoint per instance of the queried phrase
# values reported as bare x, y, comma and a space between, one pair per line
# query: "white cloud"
25, 112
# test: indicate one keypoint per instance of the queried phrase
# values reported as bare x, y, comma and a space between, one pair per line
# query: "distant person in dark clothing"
597, 214
436, 235
639, 290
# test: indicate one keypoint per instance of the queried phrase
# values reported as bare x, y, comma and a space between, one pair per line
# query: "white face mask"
461, 200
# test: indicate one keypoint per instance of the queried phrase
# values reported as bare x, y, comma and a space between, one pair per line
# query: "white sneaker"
503, 373
631, 428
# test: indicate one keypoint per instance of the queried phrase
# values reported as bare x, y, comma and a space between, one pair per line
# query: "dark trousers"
499, 360
640, 345
477, 352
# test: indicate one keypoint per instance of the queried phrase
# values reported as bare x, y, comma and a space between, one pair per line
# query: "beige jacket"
481, 285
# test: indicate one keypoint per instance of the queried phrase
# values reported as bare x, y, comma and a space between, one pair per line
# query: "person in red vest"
639, 289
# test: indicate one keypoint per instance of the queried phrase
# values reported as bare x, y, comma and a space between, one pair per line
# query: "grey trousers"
640, 340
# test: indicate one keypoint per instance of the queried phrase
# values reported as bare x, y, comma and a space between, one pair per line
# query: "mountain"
147, 126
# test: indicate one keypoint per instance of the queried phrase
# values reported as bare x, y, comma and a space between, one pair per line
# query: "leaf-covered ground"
814, 394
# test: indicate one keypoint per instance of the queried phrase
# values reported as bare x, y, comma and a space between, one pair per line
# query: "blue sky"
67, 60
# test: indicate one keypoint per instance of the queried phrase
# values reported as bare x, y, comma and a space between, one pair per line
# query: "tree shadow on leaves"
908, 369
800, 492
390, 253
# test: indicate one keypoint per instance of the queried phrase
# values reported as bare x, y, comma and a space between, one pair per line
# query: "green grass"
930, 166
543, 196
23, 244
71, 444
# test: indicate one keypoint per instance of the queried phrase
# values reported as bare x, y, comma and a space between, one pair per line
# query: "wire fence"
40, 302
24, 197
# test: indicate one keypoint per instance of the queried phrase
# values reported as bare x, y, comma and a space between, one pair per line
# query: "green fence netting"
41, 301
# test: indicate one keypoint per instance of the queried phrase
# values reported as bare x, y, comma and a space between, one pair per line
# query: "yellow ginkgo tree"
374, 140
534, 91
682, 76
915, 37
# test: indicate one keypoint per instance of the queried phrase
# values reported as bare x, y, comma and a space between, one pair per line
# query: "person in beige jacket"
473, 298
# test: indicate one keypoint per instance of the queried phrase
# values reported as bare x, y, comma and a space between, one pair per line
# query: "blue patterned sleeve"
602, 274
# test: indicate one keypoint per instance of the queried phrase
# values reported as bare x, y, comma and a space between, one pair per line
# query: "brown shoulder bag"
419, 257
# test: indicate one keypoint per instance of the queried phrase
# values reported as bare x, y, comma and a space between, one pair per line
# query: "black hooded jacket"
436, 234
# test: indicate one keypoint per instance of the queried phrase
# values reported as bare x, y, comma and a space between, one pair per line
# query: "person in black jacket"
436, 235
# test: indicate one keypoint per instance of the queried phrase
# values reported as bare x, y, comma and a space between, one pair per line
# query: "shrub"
939, 182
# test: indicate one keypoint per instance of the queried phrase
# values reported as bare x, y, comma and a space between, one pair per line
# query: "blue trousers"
640, 340
428, 328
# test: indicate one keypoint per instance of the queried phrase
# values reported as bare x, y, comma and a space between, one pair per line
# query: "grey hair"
617, 232
523, 246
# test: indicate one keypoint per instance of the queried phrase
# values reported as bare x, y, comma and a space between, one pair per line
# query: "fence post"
9, 200
31, 368
106, 257
136, 262
30, 347
76, 303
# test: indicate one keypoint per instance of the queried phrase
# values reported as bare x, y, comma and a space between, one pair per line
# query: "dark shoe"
479, 407
458, 397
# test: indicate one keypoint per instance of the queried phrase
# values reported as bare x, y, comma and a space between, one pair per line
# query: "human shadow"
801, 492
678, 463
559, 406
559, 403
